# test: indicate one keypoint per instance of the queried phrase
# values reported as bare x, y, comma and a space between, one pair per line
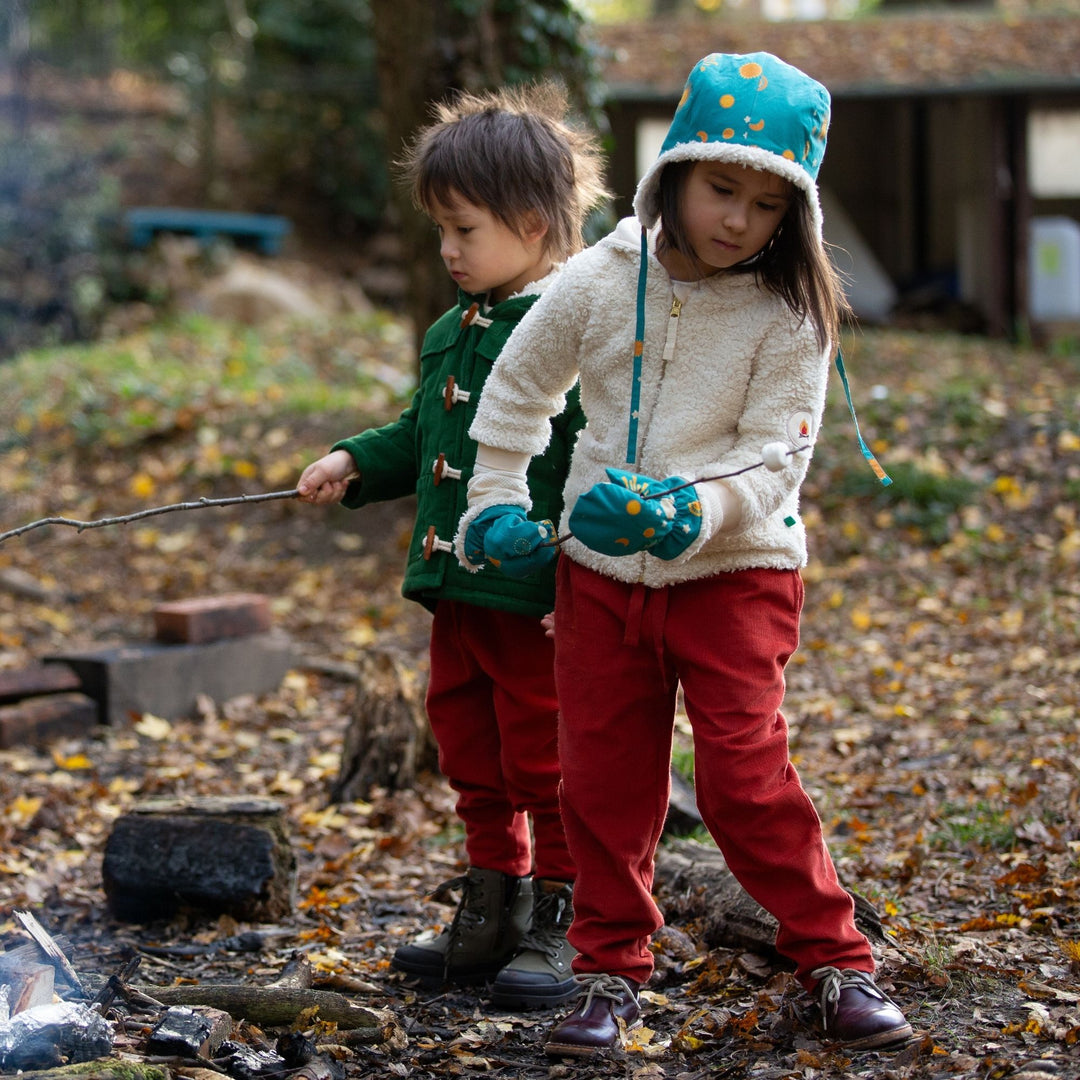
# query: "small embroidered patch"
800, 428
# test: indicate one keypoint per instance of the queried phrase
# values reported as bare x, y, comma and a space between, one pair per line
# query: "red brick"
211, 618
37, 720
35, 680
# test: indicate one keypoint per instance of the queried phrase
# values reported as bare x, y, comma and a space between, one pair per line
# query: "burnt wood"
218, 855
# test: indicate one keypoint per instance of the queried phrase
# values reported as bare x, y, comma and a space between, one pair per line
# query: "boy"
508, 185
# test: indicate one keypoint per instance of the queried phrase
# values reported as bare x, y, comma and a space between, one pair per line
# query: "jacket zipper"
669, 351
672, 327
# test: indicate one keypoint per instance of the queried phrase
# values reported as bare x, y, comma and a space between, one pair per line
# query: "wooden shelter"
930, 173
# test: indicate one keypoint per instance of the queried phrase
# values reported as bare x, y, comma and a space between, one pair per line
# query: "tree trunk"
446, 50
412, 72
19, 52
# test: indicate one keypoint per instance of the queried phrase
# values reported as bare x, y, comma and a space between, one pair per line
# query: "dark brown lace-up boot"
855, 1012
607, 1010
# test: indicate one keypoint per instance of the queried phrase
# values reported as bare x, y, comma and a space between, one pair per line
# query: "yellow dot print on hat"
753, 70
727, 101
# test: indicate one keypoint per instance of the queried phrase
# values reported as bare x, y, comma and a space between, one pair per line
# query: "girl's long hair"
793, 264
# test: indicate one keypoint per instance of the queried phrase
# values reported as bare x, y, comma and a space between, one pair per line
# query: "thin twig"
153, 511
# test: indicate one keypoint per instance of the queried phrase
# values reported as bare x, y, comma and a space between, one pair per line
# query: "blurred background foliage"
321, 97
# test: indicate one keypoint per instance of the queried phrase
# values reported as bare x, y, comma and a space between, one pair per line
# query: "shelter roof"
879, 55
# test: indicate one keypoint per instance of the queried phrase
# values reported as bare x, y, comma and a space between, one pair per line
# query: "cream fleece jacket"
741, 371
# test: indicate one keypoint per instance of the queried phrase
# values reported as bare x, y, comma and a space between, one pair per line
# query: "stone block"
166, 680
37, 720
202, 619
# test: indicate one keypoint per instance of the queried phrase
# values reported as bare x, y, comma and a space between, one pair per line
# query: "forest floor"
933, 703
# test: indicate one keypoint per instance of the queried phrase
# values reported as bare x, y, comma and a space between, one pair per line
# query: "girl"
697, 580
508, 184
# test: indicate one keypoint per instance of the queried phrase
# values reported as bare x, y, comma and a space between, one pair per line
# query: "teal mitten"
636, 513
517, 546
479, 527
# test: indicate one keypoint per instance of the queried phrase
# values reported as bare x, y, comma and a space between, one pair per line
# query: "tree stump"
388, 740
219, 854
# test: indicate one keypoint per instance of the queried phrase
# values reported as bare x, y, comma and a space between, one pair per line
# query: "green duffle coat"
427, 451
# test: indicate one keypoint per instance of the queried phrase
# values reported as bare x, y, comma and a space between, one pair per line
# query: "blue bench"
268, 231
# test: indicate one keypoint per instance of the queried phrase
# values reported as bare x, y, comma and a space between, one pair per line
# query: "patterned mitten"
637, 513
506, 538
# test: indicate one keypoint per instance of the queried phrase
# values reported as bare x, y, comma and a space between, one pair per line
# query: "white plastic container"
1055, 268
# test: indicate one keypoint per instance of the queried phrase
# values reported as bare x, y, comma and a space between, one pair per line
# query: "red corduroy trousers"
492, 707
621, 652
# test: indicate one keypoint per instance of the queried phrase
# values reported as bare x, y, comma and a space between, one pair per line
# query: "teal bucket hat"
751, 109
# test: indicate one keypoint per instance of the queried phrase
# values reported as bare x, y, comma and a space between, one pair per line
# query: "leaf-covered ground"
933, 703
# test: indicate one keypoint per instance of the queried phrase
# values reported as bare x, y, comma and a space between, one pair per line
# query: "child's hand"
519, 547
548, 623
326, 480
506, 538
637, 513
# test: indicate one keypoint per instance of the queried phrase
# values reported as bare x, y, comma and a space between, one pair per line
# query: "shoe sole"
568, 1050
577, 1050
881, 1040
533, 999
432, 979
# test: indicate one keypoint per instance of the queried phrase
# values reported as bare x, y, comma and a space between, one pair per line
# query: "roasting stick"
198, 504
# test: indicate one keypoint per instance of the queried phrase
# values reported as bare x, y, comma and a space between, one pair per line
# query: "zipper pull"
672, 327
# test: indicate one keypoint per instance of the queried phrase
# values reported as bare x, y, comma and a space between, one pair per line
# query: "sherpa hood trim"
751, 109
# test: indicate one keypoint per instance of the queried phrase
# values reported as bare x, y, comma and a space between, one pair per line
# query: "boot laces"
833, 981
599, 984
469, 914
547, 934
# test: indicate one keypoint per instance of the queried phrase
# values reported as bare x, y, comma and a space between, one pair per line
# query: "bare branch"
152, 512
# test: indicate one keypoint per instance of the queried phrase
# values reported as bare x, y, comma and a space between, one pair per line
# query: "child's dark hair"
793, 264
511, 152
